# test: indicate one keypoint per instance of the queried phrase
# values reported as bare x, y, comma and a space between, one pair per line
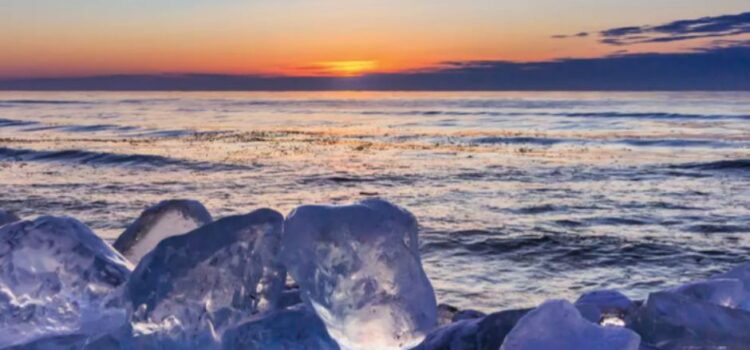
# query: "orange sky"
298, 37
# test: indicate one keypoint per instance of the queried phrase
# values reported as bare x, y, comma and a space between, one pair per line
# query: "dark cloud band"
706, 27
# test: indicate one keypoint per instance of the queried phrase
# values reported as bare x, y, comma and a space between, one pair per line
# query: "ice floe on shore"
355, 282
210, 279
163, 220
358, 267
57, 278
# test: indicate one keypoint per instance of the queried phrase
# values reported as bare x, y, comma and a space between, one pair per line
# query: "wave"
353, 180
519, 140
43, 102
124, 130
652, 115
608, 114
676, 143
633, 142
5, 123
566, 252
722, 165
97, 127
82, 157
718, 228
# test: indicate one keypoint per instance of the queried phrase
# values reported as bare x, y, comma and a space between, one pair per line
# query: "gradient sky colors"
53, 38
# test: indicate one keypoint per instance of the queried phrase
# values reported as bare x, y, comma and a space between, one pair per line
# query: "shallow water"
521, 196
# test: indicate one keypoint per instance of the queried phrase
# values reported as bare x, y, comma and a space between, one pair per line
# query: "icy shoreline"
178, 280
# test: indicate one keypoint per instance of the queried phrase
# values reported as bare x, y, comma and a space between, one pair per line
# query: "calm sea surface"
521, 196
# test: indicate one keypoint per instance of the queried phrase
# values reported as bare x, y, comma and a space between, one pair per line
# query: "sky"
346, 38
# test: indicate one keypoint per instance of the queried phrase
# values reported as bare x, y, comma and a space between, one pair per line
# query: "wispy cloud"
578, 35
690, 29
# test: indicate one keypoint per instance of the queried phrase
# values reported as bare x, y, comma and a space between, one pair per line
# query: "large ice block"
673, 321
558, 325
358, 267
166, 219
56, 278
193, 286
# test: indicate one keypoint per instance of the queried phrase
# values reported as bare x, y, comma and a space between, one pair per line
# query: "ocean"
521, 196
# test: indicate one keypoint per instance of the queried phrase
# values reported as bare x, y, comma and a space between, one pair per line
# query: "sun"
346, 68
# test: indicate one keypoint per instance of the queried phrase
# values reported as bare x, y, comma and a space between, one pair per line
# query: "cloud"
725, 65
706, 27
579, 35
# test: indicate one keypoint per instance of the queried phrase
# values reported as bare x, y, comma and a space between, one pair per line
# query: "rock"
448, 314
445, 314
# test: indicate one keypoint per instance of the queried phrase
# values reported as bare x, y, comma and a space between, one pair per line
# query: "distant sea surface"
521, 197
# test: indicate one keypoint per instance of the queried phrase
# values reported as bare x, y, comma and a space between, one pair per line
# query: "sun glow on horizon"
345, 68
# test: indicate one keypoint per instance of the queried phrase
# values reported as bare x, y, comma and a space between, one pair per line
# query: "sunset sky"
53, 38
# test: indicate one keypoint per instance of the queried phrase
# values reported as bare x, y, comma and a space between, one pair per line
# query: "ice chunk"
604, 305
166, 219
721, 291
192, 286
558, 325
292, 329
358, 267
741, 273
459, 335
485, 333
673, 321
56, 277
7, 217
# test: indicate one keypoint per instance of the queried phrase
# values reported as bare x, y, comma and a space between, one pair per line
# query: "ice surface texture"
166, 219
483, 333
598, 305
674, 321
193, 286
296, 328
742, 274
727, 292
55, 279
359, 268
557, 324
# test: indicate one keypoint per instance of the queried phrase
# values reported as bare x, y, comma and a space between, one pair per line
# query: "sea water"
520, 196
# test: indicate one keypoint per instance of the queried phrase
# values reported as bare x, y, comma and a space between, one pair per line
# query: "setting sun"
346, 68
